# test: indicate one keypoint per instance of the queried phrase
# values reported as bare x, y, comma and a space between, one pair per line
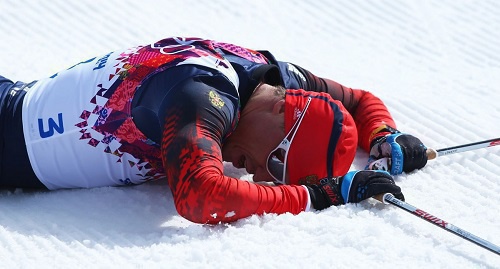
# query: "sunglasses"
275, 167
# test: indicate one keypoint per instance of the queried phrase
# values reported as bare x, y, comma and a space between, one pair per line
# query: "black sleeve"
296, 77
195, 91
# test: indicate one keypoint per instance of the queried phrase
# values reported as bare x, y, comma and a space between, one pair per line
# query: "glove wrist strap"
326, 193
382, 130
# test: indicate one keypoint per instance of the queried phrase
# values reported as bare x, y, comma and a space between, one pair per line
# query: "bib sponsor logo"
102, 62
52, 126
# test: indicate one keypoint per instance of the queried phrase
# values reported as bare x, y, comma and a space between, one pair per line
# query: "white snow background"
436, 64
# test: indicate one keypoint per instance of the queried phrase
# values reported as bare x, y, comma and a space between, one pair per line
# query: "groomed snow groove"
436, 64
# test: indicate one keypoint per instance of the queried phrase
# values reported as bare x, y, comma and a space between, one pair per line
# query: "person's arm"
389, 149
196, 121
369, 112
191, 150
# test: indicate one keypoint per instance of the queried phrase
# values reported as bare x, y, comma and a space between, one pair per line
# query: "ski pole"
388, 198
432, 153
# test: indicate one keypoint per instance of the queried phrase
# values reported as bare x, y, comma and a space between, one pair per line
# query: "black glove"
353, 187
397, 153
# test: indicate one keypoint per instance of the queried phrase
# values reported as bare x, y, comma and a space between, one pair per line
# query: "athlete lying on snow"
179, 107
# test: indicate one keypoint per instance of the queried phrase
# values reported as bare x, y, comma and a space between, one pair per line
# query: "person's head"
292, 137
260, 128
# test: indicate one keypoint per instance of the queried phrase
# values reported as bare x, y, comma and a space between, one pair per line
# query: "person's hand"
353, 187
397, 153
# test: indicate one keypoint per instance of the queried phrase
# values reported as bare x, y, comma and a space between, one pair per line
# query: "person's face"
259, 131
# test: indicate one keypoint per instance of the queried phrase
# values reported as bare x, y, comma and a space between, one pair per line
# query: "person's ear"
279, 107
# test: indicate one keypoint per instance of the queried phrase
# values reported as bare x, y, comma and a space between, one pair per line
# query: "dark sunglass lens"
275, 167
280, 154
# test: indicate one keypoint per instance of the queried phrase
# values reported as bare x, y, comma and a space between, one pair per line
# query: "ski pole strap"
390, 199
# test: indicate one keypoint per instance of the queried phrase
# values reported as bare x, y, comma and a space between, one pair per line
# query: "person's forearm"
369, 112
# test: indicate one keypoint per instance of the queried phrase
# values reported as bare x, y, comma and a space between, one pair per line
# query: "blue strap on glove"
353, 187
360, 185
397, 153
397, 158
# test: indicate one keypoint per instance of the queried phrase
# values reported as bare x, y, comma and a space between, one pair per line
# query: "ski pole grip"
431, 154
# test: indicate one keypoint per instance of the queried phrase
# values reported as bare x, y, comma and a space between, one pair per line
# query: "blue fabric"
397, 159
15, 168
250, 74
183, 86
5, 85
346, 185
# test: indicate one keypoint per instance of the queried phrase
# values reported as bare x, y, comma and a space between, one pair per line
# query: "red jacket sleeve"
369, 112
202, 194
197, 118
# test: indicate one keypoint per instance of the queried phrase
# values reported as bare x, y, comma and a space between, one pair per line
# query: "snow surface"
436, 64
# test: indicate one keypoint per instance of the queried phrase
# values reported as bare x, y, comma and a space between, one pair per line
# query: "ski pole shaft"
388, 198
432, 154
